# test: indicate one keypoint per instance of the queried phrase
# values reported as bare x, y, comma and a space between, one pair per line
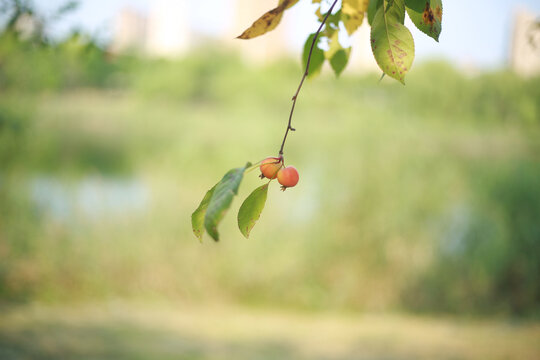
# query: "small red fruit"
288, 177
270, 167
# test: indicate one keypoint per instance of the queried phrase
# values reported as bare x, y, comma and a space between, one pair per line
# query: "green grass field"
118, 330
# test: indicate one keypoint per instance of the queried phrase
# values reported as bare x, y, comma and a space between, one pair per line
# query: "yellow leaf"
318, 14
334, 45
352, 14
268, 22
288, 3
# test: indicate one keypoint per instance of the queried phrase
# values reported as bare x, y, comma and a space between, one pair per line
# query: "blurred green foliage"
423, 197
33, 66
487, 257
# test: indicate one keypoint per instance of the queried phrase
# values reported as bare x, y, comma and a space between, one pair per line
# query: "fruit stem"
295, 96
254, 166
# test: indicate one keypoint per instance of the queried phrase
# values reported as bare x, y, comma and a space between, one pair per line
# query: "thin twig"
289, 127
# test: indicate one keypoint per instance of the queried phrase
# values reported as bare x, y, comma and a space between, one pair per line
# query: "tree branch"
295, 96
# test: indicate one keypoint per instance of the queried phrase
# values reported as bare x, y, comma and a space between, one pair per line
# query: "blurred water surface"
91, 197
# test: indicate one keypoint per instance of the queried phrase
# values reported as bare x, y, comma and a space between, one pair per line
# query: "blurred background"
414, 232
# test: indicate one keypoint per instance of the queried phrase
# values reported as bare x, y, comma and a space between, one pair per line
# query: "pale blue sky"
474, 32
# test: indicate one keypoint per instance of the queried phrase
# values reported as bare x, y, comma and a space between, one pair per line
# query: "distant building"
129, 31
169, 30
525, 47
164, 32
29, 26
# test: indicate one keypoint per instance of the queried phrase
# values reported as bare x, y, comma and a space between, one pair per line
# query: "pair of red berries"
273, 167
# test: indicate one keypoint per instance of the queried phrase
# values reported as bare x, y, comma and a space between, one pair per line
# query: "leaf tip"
212, 231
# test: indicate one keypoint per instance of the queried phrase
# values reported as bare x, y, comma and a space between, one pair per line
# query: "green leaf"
389, 4
251, 209
397, 7
391, 42
339, 60
336, 54
334, 19
197, 218
221, 199
426, 16
317, 56
372, 9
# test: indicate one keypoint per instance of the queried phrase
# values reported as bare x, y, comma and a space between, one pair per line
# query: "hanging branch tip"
295, 96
